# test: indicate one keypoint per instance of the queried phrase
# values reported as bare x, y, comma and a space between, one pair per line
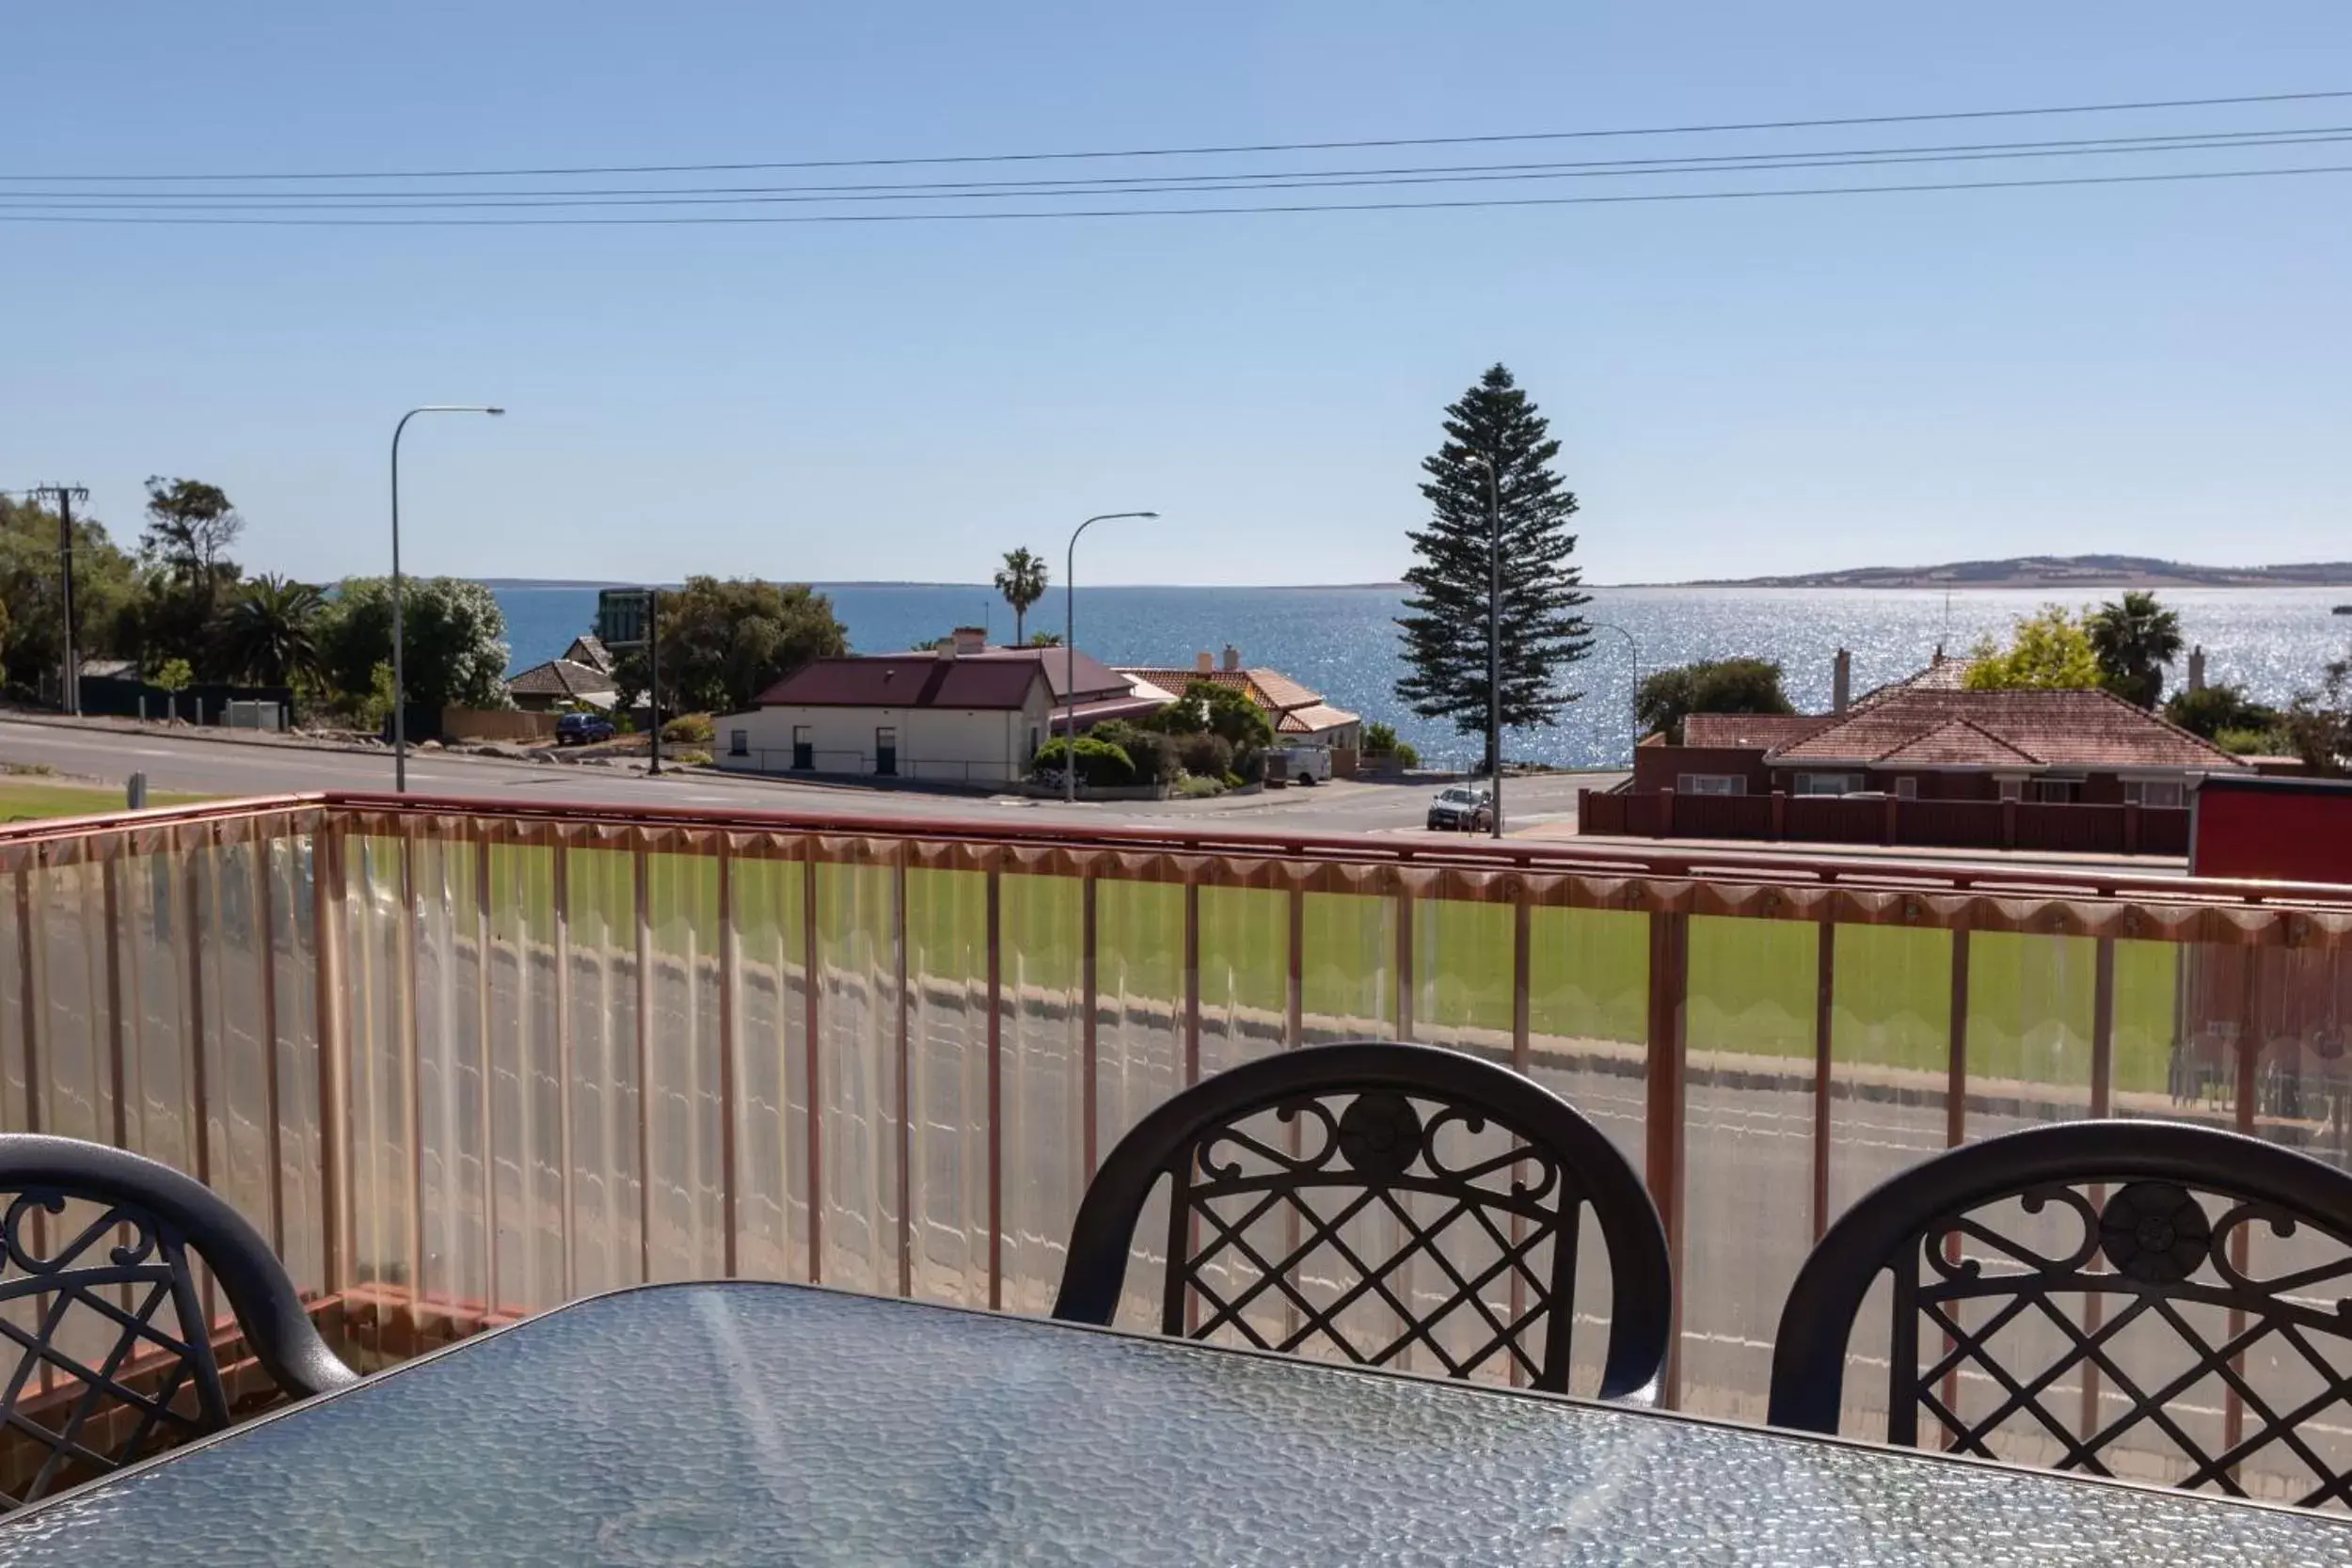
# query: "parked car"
1462, 809
1304, 764
580, 729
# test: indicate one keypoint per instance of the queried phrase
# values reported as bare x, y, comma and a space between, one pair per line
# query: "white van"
1304, 764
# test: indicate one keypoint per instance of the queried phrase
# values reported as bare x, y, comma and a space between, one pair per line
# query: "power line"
1213, 151
44, 198
1456, 204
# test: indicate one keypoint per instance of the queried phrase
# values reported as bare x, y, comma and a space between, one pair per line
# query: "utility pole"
70, 683
653, 638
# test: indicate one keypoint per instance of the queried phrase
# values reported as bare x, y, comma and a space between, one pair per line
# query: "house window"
738, 743
1906, 789
1712, 784
2055, 792
1829, 783
2012, 789
2153, 792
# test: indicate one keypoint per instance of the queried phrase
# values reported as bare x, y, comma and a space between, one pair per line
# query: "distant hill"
2060, 571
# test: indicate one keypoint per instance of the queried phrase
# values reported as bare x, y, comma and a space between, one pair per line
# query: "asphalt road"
181, 762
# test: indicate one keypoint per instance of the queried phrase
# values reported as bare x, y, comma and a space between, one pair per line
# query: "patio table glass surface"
732, 1423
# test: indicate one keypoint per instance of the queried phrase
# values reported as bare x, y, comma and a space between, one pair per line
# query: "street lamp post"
1494, 636
1634, 701
400, 664
1070, 651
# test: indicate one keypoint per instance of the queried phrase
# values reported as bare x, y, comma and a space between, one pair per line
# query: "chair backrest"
2146, 1299
101, 1299
1369, 1198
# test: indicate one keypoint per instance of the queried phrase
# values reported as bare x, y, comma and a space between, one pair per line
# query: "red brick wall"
1656, 768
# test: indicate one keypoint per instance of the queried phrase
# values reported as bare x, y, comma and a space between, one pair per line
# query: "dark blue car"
578, 729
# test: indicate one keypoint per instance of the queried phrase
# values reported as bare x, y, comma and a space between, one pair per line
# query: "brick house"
2077, 748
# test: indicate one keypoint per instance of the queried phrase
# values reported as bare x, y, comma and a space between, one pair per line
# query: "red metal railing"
463, 1060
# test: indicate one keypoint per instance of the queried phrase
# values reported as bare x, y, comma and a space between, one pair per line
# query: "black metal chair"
1476, 1168
2123, 1255
103, 1303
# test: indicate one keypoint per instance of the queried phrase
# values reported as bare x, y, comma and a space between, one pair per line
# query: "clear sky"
1740, 386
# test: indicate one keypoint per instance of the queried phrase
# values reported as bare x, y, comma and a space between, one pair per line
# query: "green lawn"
1752, 982
24, 799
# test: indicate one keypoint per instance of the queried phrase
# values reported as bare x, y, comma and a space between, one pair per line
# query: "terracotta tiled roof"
907, 681
1314, 719
561, 677
588, 649
1945, 675
1763, 731
1270, 689
1956, 744
2052, 729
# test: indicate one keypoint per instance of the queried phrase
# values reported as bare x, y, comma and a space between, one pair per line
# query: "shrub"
1152, 755
1380, 740
1205, 756
2243, 742
1099, 763
1407, 754
1193, 787
1250, 767
690, 729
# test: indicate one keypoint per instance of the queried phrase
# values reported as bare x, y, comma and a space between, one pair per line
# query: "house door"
804, 748
886, 750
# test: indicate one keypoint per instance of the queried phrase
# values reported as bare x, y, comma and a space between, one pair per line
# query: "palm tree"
1022, 581
2134, 640
269, 632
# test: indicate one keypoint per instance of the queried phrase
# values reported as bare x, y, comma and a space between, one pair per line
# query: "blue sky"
1738, 387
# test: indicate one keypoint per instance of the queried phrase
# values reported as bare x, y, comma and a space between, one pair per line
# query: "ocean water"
1343, 642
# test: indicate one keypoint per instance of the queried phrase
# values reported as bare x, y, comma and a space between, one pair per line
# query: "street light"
1069, 650
1635, 700
1494, 635
400, 668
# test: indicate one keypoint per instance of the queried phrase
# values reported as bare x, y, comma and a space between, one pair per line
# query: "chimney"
2197, 668
947, 651
1232, 657
971, 640
1841, 683
1202, 662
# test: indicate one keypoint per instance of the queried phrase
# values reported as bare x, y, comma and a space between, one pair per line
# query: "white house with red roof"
968, 713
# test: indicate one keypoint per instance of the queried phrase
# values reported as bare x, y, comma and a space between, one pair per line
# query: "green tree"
2319, 723
2210, 710
456, 653
1709, 686
2049, 650
1446, 627
2134, 638
105, 592
268, 633
1209, 709
1021, 581
185, 550
175, 675
725, 641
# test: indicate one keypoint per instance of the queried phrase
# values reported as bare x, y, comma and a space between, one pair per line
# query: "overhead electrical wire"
44, 198
1206, 152
1456, 204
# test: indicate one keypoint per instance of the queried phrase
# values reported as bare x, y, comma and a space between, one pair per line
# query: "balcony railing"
461, 1062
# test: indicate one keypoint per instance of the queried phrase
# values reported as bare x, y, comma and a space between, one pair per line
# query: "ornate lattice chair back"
2148, 1299
1385, 1204
103, 1300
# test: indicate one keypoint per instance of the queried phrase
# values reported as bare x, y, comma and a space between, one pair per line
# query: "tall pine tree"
1445, 626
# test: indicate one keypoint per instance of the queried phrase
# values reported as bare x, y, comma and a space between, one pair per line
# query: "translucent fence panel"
1048, 1080
1750, 1029
458, 1067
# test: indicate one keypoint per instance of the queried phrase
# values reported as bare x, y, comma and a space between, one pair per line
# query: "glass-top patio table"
737, 1423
